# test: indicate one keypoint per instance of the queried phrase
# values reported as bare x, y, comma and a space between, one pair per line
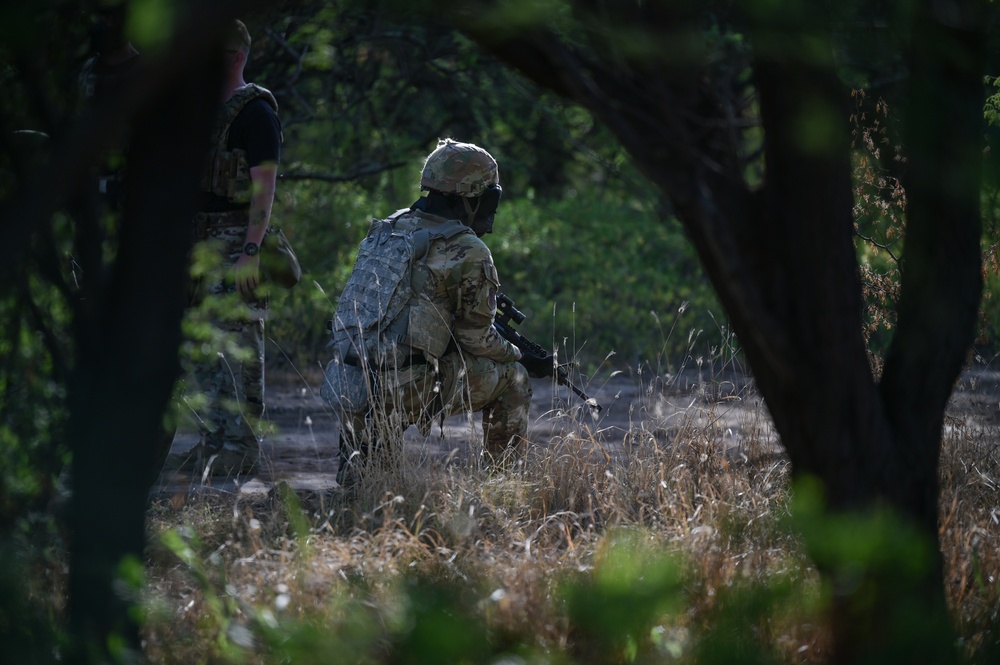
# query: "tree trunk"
128, 339
782, 260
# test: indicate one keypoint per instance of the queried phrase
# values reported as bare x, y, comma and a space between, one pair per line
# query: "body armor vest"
227, 172
379, 319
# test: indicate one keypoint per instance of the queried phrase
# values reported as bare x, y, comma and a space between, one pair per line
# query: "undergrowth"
666, 541
667, 523
669, 539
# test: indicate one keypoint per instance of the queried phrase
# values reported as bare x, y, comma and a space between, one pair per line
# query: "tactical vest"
227, 172
378, 319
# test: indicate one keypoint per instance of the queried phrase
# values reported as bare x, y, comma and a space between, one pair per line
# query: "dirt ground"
302, 450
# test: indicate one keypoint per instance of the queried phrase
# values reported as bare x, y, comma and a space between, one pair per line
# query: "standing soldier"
102, 75
413, 335
238, 185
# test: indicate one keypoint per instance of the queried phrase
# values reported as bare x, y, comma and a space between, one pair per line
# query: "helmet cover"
459, 168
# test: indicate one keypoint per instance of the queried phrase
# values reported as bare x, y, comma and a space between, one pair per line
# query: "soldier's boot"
504, 447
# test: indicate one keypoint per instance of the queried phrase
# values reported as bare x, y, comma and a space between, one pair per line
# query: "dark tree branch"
881, 245
362, 172
665, 150
290, 50
781, 256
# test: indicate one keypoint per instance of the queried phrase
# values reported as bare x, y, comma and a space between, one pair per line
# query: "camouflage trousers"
235, 391
417, 395
232, 376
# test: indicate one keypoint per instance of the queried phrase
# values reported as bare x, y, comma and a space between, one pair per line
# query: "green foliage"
439, 624
151, 23
742, 625
368, 88
602, 273
992, 109
225, 633
33, 357
857, 546
596, 273
878, 555
615, 607
41, 49
27, 632
879, 217
632, 605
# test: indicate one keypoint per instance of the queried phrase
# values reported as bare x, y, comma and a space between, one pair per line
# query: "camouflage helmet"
459, 168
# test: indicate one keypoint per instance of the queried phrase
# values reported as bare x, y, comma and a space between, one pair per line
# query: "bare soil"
636, 411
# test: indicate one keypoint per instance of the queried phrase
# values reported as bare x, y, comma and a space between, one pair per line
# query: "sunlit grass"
667, 540
515, 555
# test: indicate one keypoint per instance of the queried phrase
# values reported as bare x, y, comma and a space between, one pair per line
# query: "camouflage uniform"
454, 285
413, 334
231, 429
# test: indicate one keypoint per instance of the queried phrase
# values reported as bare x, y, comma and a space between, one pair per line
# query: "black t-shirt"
257, 130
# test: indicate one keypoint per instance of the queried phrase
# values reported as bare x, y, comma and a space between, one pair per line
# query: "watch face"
250, 249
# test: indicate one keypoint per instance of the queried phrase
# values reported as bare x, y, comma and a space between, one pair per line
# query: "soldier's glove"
538, 367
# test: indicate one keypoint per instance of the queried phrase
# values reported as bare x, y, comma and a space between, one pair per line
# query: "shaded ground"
302, 450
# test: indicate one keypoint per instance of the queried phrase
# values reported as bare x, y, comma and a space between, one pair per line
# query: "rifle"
507, 316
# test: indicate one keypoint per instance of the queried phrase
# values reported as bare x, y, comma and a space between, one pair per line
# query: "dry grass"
970, 530
329, 573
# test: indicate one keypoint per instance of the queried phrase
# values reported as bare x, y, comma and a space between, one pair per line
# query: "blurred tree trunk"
128, 336
780, 252
127, 314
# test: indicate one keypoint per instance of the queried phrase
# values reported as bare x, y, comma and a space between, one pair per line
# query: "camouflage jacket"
457, 282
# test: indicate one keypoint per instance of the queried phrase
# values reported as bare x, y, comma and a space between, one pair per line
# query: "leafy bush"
595, 274
607, 274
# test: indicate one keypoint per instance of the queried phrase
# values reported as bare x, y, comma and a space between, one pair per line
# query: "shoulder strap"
235, 105
450, 229
396, 215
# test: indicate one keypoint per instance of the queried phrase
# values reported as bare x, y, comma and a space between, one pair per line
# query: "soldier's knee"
519, 386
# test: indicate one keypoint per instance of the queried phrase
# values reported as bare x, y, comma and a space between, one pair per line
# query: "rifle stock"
507, 316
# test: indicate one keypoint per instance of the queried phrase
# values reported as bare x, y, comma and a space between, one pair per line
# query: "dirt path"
302, 450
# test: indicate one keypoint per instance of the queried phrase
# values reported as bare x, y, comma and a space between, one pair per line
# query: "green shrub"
595, 276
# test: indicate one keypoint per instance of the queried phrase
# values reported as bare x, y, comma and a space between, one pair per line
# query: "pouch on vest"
226, 173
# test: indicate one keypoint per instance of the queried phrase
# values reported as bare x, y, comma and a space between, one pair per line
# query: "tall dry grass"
512, 539
698, 490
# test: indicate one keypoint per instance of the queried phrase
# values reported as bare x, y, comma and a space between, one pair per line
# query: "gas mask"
480, 218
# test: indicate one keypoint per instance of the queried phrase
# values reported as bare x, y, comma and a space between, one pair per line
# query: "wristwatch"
250, 248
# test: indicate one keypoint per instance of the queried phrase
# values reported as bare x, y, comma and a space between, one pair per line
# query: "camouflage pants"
232, 377
465, 384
